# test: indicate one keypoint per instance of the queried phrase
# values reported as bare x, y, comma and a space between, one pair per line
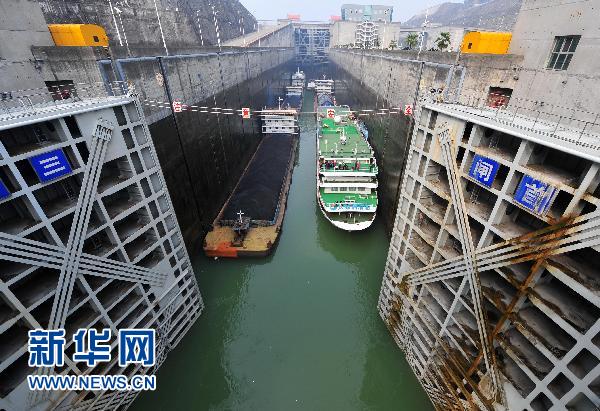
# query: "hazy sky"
322, 9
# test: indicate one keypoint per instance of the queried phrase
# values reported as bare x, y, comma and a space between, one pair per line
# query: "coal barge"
249, 223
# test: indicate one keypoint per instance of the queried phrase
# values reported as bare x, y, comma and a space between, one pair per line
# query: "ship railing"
373, 170
331, 154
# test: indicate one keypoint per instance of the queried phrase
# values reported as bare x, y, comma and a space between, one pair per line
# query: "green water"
298, 330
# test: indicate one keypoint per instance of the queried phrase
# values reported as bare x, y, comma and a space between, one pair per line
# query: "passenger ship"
346, 166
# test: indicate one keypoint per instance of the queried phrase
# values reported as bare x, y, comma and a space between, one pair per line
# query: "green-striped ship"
346, 168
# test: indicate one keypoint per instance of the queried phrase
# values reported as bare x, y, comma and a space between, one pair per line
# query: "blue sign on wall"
484, 170
535, 195
51, 165
4, 192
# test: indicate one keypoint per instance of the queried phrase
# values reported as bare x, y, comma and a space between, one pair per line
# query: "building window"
562, 52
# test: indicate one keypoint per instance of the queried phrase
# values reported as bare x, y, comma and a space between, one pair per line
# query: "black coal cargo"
257, 194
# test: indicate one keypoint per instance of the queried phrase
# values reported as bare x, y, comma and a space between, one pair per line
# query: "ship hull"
331, 216
363, 225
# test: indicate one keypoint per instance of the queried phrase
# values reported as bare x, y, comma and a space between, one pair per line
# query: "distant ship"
298, 79
346, 164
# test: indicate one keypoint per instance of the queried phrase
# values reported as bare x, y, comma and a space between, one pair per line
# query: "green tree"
411, 40
393, 45
443, 41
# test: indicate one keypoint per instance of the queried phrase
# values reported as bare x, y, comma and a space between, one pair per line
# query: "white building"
361, 12
344, 33
367, 35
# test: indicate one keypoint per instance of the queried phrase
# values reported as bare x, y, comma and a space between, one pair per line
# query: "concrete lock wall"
403, 69
575, 88
389, 79
135, 23
204, 154
21, 22
280, 38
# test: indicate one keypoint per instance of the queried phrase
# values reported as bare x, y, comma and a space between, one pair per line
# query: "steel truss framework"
494, 306
99, 247
312, 44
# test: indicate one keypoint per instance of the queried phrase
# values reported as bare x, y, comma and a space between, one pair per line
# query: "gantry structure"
312, 42
88, 239
491, 286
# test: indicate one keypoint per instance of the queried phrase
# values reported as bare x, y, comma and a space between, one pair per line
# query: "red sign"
177, 106
408, 110
245, 112
330, 113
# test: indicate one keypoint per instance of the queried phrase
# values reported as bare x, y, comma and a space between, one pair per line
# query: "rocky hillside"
498, 15
185, 23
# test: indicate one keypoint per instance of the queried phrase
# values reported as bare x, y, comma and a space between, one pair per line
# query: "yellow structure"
483, 42
78, 35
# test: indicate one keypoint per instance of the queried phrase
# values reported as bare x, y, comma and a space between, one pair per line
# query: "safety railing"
370, 170
570, 124
17, 104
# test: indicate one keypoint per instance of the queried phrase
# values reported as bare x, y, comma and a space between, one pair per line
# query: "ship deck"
258, 242
257, 190
329, 141
257, 194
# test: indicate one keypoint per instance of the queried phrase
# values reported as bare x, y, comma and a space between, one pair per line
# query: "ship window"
562, 52
96, 39
343, 189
